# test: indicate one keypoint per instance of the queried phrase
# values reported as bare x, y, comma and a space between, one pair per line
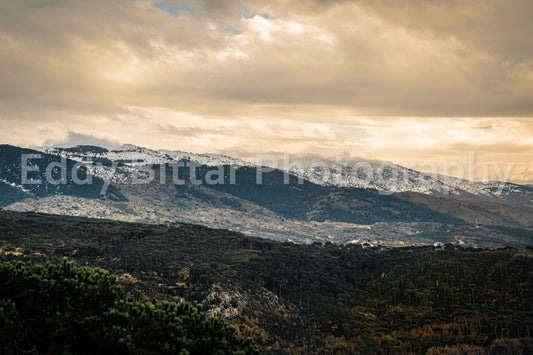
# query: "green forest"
57, 309
288, 298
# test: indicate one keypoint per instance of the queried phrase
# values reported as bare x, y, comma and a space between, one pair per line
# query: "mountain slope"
132, 155
475, 212
307, 201
11, 193
42, 180
381, 176
393, 178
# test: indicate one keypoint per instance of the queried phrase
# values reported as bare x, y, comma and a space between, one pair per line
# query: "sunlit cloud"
409, 81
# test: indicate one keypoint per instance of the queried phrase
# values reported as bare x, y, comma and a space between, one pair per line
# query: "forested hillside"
315, 298
10, 194
62, 308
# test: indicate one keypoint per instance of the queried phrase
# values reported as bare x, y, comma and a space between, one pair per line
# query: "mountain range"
382, 176
298, 204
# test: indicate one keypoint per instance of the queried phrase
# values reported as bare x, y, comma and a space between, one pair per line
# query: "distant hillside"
11, 163
309, 201
476, 212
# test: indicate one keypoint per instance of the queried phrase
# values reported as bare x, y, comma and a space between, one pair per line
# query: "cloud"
383, 79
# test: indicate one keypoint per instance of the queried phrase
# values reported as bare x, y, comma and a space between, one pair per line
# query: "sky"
409, 81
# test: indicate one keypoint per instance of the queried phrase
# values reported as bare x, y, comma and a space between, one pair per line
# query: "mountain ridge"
386, 177
281, 208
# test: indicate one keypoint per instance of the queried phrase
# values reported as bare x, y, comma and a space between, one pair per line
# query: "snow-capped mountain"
332, 210
392, 178
385, 177
132, 155
128, 158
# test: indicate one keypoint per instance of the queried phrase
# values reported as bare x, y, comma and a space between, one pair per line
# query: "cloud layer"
403, 81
